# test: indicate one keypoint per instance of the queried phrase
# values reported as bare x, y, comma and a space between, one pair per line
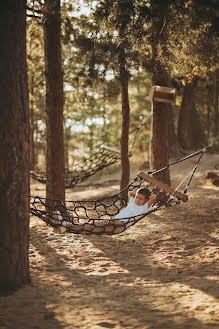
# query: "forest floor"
161, 273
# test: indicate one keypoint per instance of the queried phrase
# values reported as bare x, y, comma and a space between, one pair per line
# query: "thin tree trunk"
55, 188
32, 125
215, 103
125, 165
159, 154
14, 150
91, 139
209, 112
38, 149
67, 133
124, 18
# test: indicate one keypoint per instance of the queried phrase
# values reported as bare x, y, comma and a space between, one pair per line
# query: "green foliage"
192, 39
93, 48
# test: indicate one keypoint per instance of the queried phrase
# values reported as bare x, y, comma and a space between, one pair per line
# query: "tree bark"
123, 21
66, 145
125, 165
55, 187
215, 103
14, 151
159, 156
190, 132
32, 125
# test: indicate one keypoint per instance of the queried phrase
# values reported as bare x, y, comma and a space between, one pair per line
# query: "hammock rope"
201, 151
104, 157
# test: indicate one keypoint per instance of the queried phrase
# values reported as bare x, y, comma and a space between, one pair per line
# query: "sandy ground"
162, 273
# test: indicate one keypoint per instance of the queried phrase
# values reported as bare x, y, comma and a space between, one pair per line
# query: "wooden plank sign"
163, 94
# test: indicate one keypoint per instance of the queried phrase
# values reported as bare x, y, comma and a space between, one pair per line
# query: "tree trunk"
124, 19
14, 151
66, 145
32, 124
125, 165
215, 103
190, 132
209, 112
159, 156
55, 187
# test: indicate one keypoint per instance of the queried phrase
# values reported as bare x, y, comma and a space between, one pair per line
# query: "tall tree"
14, 151
55, 188
123, 18
159, 142
109, 49
118, 21
215, 102
32, 125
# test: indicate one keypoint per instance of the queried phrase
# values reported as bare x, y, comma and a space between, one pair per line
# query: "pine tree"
55, 168
14, 151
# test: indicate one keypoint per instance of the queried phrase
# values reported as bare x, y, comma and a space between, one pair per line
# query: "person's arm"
152, 200
131, 194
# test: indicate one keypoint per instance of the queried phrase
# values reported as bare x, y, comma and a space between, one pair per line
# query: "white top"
132, 210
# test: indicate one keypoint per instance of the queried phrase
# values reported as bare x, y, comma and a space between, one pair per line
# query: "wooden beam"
111, 149
162, 186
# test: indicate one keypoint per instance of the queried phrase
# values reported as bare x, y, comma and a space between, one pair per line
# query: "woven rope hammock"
104, 157
97, 216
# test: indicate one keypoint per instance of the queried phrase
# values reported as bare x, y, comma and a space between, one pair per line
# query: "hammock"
104, 157
86, 217
98, 216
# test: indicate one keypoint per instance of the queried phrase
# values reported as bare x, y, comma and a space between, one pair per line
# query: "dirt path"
162, 273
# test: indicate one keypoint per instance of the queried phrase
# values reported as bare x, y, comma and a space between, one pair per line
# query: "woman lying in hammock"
140, 202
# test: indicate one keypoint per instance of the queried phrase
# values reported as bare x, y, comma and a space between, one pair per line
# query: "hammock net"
105, 156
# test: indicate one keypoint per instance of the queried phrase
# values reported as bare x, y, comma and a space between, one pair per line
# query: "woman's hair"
144, 191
